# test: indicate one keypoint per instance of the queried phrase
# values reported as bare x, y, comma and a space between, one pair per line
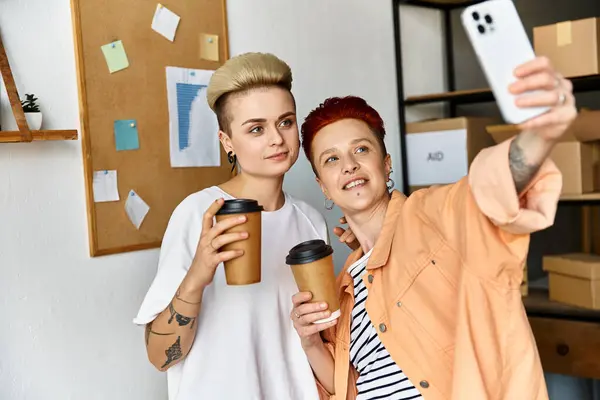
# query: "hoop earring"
232, 158
327, 206
390, 184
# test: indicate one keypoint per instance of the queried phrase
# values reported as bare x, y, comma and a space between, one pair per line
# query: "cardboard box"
576, 155
572, 46
586, 127
440, 151
574, 279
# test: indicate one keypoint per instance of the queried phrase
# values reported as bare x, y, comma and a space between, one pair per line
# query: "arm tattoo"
182, 320
174, 352
150, 331
522, 172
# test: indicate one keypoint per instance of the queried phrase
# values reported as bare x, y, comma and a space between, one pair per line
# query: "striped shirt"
379, 376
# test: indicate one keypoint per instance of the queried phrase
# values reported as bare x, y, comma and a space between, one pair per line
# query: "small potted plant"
32, 112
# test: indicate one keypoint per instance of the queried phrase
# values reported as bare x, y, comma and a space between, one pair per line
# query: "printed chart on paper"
193, 127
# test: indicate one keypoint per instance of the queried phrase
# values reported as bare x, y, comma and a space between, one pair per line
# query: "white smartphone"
498, 37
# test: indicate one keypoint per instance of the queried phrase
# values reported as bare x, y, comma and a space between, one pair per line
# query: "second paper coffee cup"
312, 265
244, 270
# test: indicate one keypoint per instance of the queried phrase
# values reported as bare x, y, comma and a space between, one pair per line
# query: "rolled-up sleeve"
493, 189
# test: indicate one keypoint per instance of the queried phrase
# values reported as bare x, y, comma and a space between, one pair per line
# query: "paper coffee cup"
312, 265
244, 270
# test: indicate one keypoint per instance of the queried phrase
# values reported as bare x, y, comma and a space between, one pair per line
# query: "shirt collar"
381, 251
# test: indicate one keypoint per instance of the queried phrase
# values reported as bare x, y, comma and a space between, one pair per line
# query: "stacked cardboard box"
572, 46
440, 151
574, 279
576, 155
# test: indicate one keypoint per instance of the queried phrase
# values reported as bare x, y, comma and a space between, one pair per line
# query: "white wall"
65, 319
65, 330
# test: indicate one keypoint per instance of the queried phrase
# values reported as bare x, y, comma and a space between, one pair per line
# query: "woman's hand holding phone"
547, 88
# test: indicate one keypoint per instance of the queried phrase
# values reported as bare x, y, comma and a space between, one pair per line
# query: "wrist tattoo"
182, 320
185, 301
522, 172
150, 331
173, 353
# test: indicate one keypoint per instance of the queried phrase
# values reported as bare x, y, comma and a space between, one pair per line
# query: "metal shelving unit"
549, 319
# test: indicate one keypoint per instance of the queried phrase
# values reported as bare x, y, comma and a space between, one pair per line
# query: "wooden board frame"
95, 249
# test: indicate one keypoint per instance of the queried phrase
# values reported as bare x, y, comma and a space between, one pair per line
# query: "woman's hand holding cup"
212, 239
305, 314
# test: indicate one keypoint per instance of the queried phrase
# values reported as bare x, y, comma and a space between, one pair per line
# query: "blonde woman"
236, 342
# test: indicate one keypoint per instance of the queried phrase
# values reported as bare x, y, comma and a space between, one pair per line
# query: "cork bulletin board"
131, 94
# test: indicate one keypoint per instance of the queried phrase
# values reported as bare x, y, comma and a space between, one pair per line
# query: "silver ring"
562, 98
296, 315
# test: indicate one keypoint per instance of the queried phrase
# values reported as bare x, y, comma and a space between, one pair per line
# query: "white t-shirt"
245, 346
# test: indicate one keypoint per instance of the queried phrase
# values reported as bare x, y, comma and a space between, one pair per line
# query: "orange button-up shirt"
443, 282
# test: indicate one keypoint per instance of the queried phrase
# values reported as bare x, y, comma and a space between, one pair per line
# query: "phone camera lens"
481, 29
488, 19
475, 16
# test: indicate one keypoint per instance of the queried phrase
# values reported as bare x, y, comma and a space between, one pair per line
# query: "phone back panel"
501, 44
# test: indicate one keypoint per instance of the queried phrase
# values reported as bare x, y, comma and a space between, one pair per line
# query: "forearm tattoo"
150, 331
174, 352
522, 172
182, 320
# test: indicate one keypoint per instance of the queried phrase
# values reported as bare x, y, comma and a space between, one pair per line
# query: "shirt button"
370, 278
382, 327
424, 384
399, 304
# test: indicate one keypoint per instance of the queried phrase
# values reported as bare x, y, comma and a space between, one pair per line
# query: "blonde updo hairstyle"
242, 74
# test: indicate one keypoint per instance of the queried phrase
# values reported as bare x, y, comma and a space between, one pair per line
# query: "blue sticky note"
126, 134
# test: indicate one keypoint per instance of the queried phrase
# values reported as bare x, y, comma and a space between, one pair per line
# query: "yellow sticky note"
209, 47
563, 33
115, 56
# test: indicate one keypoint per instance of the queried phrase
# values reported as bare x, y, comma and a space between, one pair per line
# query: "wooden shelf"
17, 137
580, 85
457, 97
586, 197
572, 198
24, 134
538, 304
441, 4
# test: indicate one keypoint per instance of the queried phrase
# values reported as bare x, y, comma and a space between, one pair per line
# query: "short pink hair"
335, 109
